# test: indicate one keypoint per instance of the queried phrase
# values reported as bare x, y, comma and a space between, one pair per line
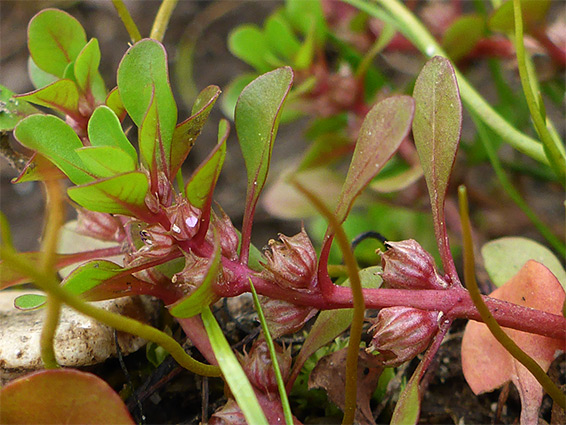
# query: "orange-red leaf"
487, 365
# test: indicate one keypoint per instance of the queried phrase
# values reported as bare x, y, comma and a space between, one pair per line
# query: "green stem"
162, 19
555, 155
126, 18
48, 333
55, 217
485, 314
121, 323
358, 303
273, 356
513, 193
413, 29
383, 40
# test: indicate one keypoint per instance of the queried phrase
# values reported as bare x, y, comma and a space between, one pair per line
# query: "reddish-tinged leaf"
86, 72
386, 125
436, 130
54, 139
122, 194
143, 82
186, 133
408, 408
55, 39
257, 119
200, 187
39, 168
62, 95
61, 396
487, 365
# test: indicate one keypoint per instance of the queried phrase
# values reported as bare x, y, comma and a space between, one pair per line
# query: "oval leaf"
54, 139
248, 43
485, 362
143, 82
503, 258
104, 129
55, 39
534, 11
436, 130
106, 161
30, 301
123, 194
386, 125
61, 396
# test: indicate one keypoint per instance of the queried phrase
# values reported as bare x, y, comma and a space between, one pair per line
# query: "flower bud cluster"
292, 262
407, 265
400, 333
229, 239
99, 225
283, 317
184, 219
259, 368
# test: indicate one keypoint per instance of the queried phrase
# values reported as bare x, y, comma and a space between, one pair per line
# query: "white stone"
79, 340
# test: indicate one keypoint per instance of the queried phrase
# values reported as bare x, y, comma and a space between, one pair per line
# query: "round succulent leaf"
106, 161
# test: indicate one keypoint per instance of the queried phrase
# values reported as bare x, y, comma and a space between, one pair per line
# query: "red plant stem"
455, 302
557, 53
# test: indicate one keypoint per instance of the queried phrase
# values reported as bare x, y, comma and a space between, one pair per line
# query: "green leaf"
54, 139
143, 82
533, 11
186, 133
55, 39
233, 91
39, 168
257, 119
232, 372
30, 301
436, 131
86, 71
304, 57
248, 43
62, 95
201, 185
106, 161
39, 77
197, 301
104, 129
303, 14
408, 407
122, 194
504, 257
386, 125
12, 110
463, 35
114, 102
60, 396
90, 275
280, 37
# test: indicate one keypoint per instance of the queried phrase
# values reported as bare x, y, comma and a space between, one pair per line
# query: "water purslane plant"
177, 246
